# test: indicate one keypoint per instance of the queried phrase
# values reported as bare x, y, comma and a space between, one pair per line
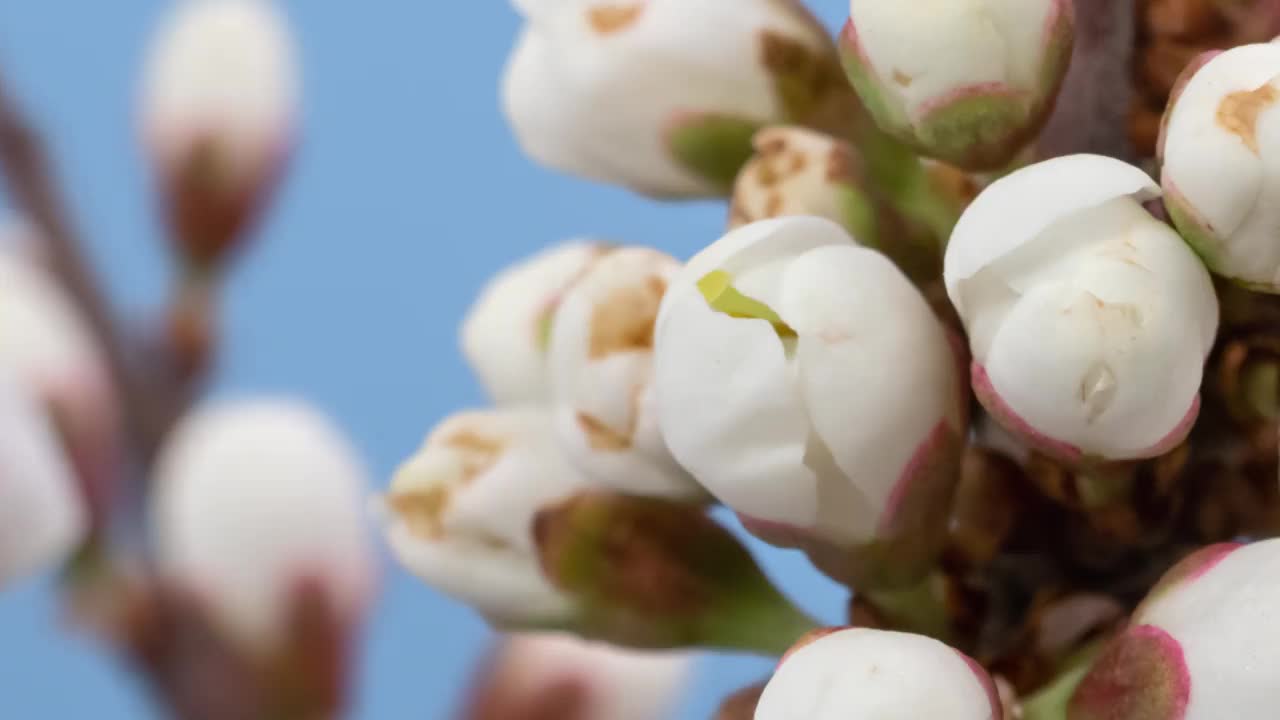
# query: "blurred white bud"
42, 516
663, 96
602, 682
460, 513
1089, 320
601, 361
220, 98
46, 342
806, 383
254, 502
1220, 141
877, 675
1202, 646
968, 81
507, 332
801, 172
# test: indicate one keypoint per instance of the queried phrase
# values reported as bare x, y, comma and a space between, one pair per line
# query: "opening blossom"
507, 332
1202, 646
969, 82
589, 88
460, 513
807, 384
1220, 146
1088, 319
601, 359
254, 502
42, 515
864, 674
219, 107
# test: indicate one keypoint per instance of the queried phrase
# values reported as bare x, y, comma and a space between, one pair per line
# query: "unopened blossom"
805, 382
601, 360
48, 346
219, 102
42, 515
663, 96
256, 501
1220, 147
531, 673
969, 82
1089, 320
460, 513
506, 334
877, 675
1202, 646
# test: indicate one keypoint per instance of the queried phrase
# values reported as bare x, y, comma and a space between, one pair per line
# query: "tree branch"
1093, 105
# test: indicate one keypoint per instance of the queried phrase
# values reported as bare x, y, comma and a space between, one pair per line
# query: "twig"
1093, 105
151, 390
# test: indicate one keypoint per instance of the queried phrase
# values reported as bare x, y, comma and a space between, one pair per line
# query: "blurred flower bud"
1088, 319
50, 349
256, 502
878, 675
1200, 647
589, 88
460, 512
601, 359
969, 82
806, 383
42, 517
220, 97
1217, 152
507, 332
532, 674
655, 573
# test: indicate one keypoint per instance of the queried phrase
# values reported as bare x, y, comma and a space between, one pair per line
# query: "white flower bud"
602, 362
42, 516
589, 89
609, 683
967, 81
1220, 138
806, 383
255, 501
877, 675
219, 104
48, 346
1088, 319
1201, 646
460, 513
800, 172
507, 332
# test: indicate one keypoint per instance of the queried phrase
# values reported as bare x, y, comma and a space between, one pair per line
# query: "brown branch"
153, 393
1093, 105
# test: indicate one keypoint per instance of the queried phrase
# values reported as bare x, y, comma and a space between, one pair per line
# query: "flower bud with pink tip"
255, 503
219, 106
1088, 319
969, 82
1202, 646
806, 383
877, 675
601, 360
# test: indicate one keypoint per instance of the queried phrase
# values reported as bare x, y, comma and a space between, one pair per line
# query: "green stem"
919, 608
1051, 701
768, 626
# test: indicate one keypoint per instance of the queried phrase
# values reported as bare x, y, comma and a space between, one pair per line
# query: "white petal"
1017, 208
42, 516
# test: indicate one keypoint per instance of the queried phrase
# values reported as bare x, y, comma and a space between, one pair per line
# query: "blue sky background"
407, 193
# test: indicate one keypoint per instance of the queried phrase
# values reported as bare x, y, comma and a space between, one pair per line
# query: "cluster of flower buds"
560, 677
877, 675
663, 96
807, 384
260, 535
218, 112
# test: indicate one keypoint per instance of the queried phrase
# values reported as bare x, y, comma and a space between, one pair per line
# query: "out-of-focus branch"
1095, 97
151, 386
